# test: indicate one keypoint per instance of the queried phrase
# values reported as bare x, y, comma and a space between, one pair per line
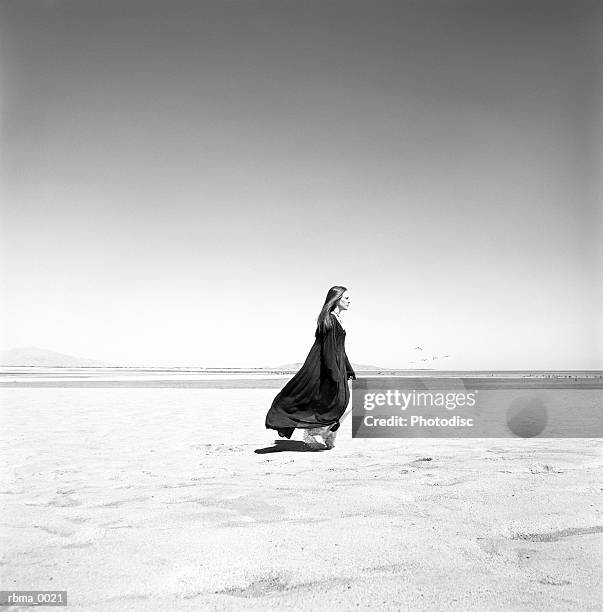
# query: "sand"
178, 499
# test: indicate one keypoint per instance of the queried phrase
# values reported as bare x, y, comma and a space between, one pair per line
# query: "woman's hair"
333, 296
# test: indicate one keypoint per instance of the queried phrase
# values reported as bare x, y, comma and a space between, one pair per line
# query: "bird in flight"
418, 348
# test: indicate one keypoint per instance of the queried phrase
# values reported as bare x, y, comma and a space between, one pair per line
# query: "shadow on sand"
292, 446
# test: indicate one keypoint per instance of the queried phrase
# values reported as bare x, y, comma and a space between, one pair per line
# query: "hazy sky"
183, 181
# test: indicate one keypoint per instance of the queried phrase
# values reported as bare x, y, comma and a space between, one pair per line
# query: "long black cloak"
318, 394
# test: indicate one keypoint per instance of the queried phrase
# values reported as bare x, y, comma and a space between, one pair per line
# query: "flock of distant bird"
433, 357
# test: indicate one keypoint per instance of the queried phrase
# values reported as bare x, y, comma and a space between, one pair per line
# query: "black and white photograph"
301, 305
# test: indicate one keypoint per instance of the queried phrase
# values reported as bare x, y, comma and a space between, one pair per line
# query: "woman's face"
344, 301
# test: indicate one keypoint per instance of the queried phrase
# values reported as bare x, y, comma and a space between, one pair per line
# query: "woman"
317, 396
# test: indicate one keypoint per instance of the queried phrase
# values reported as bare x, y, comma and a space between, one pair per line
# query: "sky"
181, 182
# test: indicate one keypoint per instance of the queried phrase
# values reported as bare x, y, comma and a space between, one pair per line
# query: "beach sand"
179, 499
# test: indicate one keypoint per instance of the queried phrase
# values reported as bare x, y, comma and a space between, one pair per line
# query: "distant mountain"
357, 367
32, 356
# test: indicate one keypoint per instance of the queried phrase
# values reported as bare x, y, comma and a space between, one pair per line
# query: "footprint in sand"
548, 580
78, 520
179, 485
64, 502
218, 449
420, 461
258, 588
555, 536
545, 468
77, 545
120, 502
55, 532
